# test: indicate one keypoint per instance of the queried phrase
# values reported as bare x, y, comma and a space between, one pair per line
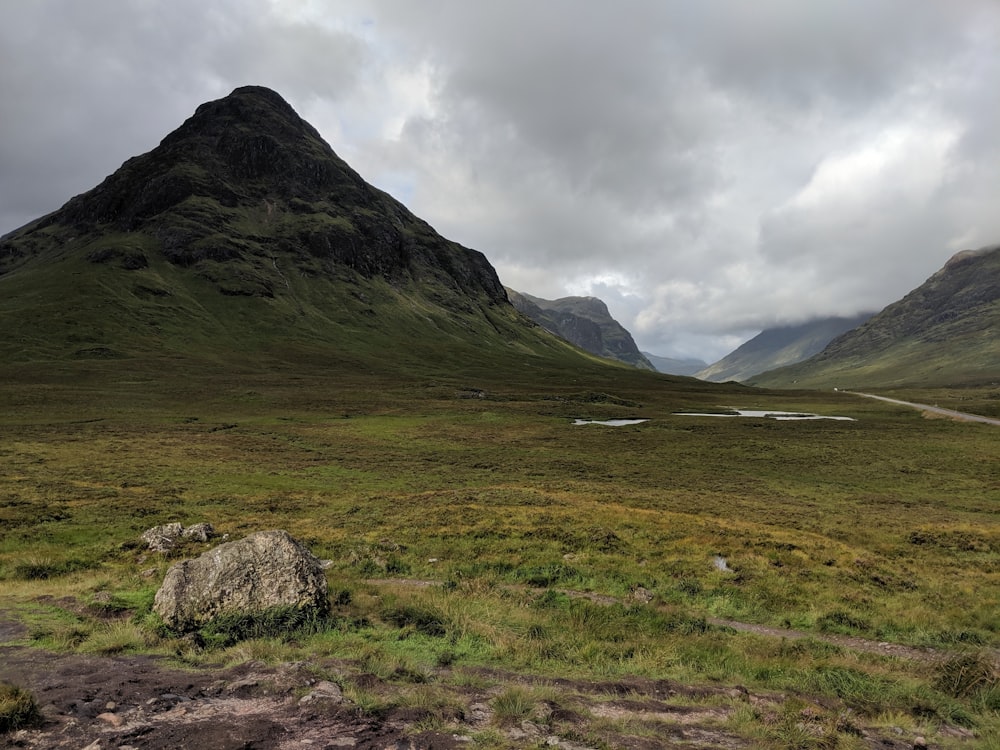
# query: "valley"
883, 529
235, 329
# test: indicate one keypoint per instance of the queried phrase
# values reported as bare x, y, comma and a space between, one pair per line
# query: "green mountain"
776, 347
585, 322
243, 243
944, 332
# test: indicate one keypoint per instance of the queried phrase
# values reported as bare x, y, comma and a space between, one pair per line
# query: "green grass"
885, 528
18, 708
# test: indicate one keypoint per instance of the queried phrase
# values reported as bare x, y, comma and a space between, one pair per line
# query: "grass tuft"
18, 708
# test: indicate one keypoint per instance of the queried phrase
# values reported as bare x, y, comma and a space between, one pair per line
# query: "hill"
777, 347
585, 322
944, 332
673, 366
243, 243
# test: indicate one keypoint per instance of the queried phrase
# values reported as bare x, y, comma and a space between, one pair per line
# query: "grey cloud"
707, 167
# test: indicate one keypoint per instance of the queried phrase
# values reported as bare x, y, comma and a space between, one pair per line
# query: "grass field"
480, 489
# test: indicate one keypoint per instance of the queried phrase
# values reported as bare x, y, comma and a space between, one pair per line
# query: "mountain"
672, 366
944, 332
779, 346
585, 322
243, 241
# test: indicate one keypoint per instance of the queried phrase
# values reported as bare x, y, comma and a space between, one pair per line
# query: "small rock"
325, 691
642, 595
919, 743
246, 683
109, 718
95, 745
102, 597
111, 705
162, 538
148, 572
199, 532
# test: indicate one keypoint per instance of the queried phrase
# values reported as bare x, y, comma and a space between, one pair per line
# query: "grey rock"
162, 538
265, 570
199, 532
324, 691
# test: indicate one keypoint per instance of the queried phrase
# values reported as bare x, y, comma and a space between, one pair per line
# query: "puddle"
610, 422
765, 414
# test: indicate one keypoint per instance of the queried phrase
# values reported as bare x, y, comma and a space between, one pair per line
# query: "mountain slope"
243, 240
777, 347
944, 332
673, 366
585, 322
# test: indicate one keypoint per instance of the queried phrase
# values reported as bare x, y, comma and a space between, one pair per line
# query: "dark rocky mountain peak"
247, 183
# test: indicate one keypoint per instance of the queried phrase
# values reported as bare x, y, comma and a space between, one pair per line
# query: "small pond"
610, 422
759, 413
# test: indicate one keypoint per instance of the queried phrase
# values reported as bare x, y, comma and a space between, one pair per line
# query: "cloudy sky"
709, 168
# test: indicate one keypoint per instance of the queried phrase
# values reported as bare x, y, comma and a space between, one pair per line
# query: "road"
934, 409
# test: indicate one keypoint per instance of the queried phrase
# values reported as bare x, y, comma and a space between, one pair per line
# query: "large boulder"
265, 570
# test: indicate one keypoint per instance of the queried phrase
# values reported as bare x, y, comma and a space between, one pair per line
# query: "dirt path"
965, 417
92, 702
854, 643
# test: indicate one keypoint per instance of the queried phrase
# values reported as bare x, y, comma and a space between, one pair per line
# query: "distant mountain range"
776, 347
673, 366
944, 332
243, 244
585, 322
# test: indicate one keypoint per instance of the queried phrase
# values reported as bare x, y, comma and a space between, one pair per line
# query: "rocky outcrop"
265, 570
584, 322
164, 538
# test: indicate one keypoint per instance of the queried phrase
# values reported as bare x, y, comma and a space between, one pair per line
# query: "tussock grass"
18, 708
884, 528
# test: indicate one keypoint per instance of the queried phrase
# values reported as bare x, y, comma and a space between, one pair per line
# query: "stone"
162, 538
324, 690
262, 571
113, 719
199, 532
642, 595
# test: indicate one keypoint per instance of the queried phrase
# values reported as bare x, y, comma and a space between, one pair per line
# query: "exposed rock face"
248, 159
585, 322
267, 569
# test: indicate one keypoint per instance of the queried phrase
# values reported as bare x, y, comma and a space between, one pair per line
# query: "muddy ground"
138, 702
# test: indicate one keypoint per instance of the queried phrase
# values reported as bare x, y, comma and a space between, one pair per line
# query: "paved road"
934, 409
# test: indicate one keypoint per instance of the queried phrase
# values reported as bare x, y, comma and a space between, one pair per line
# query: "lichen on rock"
263, 571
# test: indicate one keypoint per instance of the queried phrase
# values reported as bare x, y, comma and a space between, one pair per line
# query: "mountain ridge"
778, 346
243, 238
941, 333
585, 322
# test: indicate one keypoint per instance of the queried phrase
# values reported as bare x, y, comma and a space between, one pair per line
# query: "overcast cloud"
707, 167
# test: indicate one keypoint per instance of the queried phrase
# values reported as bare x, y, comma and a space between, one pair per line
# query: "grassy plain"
533, 540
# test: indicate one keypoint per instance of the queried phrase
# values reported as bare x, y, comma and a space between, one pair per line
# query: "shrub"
513, 705
966, 675
18, 708
278, 622
423, 619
